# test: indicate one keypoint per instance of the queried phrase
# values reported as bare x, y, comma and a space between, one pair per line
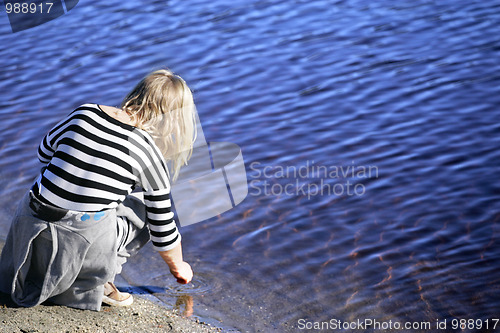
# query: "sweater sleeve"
164, 233
45, 150
156, 187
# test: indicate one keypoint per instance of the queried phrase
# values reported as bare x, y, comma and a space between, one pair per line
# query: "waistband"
51, 213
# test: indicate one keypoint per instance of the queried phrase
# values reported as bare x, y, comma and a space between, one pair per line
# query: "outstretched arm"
180, 269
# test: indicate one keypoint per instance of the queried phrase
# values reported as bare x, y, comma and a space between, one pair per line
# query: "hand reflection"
187, 301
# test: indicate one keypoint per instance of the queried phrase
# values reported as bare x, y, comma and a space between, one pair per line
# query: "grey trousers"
132, 233
66, 256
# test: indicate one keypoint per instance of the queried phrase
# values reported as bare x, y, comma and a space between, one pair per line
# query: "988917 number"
474, 324
28, 8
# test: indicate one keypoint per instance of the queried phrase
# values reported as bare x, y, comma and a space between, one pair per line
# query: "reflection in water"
186, 302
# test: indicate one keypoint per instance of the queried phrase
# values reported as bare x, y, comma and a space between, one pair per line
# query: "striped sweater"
94, 161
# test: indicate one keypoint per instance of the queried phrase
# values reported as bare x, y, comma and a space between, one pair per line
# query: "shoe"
113, 297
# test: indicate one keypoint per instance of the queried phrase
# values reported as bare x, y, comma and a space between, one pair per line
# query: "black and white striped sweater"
94, 161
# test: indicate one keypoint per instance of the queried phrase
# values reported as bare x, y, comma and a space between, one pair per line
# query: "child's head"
162, 105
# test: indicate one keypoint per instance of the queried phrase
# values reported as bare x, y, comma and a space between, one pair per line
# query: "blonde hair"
162, 104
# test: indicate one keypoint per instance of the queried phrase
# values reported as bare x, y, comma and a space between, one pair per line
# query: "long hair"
162, 104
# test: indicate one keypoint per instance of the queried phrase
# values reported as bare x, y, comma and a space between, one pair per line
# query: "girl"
80, 221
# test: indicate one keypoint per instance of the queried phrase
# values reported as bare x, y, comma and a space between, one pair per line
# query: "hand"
182, 272
180, 269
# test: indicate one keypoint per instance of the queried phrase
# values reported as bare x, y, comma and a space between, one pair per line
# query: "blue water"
408, 88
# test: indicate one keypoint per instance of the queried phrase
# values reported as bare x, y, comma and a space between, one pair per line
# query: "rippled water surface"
409, 90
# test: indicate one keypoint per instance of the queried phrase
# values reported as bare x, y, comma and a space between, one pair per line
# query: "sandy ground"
142, 316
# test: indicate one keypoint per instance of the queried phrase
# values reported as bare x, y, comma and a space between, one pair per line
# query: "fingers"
184, 274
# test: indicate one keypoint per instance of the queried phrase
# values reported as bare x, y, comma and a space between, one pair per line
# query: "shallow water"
411, 89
